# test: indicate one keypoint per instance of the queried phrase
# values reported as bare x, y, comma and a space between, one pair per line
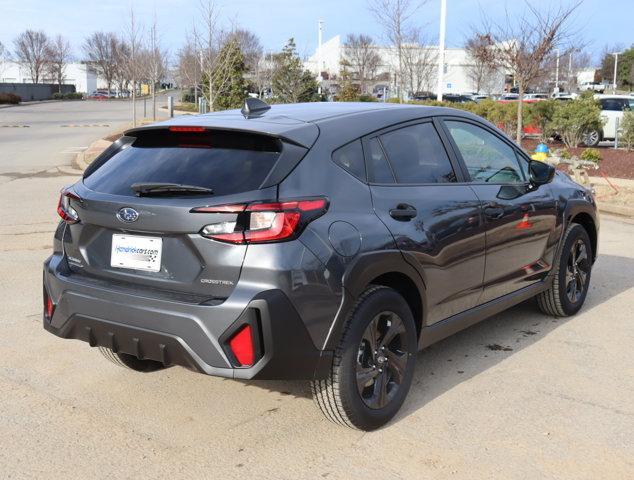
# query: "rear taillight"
64, 207
263, 222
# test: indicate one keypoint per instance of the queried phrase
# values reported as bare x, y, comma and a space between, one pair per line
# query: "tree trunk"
153, 101
134, 102
520, 112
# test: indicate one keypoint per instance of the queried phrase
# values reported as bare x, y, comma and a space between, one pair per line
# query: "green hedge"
68, 96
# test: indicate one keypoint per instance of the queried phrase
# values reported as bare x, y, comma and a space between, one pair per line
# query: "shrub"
73, 96
10, 98
591, 155
572, 119
565, 154
627, 136
541, 115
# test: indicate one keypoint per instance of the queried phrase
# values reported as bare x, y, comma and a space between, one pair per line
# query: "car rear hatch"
138, 219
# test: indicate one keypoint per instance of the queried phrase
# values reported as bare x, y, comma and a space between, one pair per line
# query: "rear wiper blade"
160, 188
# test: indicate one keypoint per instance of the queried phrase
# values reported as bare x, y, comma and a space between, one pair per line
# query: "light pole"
441, 49
616, 62
319, 60
557, 73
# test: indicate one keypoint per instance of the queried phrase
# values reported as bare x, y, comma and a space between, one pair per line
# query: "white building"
456, 68
79, 74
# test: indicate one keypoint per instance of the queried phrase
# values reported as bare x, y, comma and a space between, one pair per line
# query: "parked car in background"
612, 108
331, 246
456, 98
509, 96
98, 96
592, 86
564, 96
536, 96
478, 97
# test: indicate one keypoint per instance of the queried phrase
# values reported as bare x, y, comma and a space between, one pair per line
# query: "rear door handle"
403, 212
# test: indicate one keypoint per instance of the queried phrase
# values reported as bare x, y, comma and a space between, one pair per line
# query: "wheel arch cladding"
406, 287
587, 222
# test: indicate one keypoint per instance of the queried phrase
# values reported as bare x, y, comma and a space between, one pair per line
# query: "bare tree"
30, 50
4, 57
394, 16
263, 74
58, 52
419, 62
100, 49
207, 39
133, 36
361, 55
523, 42
188, 66
217, 69
156, 60
121, 55
481, 68
250, 46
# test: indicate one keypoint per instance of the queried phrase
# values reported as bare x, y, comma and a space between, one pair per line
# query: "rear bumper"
180, 333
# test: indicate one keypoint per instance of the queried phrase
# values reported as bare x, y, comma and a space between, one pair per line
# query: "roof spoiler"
254, 107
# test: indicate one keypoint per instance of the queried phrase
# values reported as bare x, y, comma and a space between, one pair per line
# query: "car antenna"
254, 107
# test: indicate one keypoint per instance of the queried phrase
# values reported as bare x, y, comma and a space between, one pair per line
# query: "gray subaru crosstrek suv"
325, 241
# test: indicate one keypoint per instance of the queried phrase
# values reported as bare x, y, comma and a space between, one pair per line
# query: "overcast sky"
274, 21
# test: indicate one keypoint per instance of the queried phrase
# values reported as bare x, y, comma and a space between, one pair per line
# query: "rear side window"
226, 162
350, 158
417, 155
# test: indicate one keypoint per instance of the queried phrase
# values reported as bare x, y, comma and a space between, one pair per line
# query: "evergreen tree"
291, 82
227, 82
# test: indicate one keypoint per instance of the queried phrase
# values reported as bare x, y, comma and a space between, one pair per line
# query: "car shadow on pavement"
464, 355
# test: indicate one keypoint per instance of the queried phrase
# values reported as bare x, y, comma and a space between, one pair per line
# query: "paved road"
38, 137
555, 402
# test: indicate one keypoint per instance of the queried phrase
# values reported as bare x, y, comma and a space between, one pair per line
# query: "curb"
85, 158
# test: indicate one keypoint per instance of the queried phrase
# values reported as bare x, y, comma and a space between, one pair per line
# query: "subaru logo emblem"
127, 214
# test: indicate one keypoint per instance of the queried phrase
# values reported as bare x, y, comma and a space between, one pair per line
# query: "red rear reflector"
49, 307
186, 129
241, 345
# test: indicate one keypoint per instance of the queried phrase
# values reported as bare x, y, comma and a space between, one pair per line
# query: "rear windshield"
226, 162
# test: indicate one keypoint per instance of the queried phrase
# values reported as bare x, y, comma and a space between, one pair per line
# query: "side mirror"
540, 173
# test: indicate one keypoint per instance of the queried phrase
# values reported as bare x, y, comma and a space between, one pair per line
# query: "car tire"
574, 264
373, 364
592, 138
130, 361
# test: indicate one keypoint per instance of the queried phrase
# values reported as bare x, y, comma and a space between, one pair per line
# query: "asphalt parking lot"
520, 395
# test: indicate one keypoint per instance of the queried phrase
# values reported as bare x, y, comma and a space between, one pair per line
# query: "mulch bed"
615, 163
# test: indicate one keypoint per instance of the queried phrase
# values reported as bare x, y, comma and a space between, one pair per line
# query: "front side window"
417, 155
488, 159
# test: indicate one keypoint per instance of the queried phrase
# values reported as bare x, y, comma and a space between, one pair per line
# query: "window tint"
417, 155
615, 104
223, 161
487, 158
350, 158
378, 168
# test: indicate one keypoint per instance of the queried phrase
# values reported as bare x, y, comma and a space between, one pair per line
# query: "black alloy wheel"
381, 360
